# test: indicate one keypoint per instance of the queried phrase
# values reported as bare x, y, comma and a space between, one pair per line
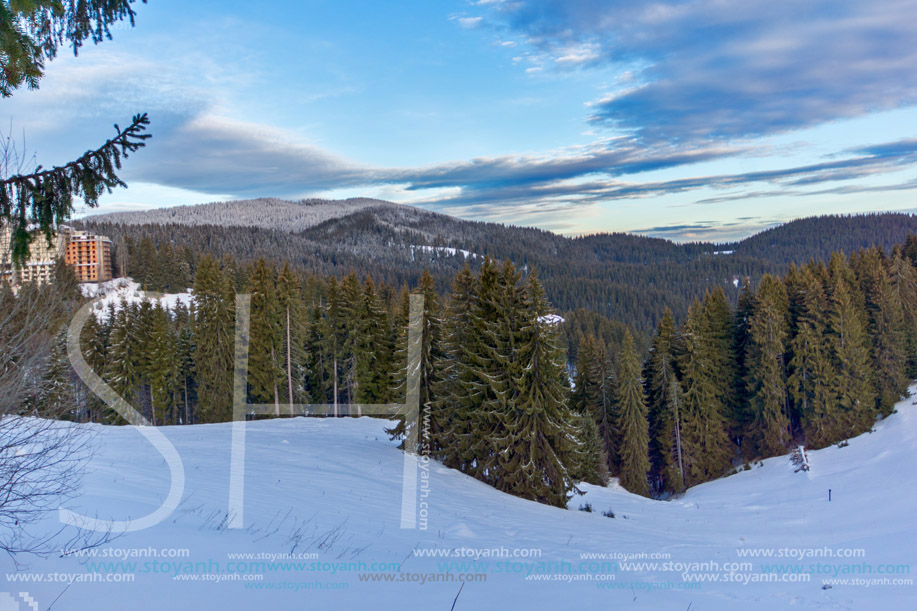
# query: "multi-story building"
88, 254
38, 267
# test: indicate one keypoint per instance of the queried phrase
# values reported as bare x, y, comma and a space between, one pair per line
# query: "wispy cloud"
726, 70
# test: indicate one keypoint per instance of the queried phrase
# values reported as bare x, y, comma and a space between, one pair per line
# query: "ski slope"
331, 491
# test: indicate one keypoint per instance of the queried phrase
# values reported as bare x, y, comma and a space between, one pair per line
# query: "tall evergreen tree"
706, 448
213, 338
662, 400
632, 424
293, 336
765, 360
452, 407
431, 361
720, 320
265, 372
812, 377
534, 458
849, 345
885, 319
163, 367
903, 276
373, 349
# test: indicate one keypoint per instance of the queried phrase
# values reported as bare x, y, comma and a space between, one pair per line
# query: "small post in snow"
829, 495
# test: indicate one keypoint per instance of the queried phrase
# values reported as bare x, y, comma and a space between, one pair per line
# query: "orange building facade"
89, 255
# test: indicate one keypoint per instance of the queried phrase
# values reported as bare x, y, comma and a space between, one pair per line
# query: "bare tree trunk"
276, 394
681, 466
289, 363
335, 386
187, 406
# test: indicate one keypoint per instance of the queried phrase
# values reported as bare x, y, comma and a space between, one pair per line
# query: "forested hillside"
810, 357
630, 279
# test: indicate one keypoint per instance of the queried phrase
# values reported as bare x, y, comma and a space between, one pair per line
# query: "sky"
684, 119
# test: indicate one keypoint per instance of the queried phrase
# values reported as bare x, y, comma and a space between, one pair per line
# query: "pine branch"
46, 196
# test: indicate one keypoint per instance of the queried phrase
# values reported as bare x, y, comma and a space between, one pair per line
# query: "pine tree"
347, 330
265, 373
720, 321
812, 376
60, 390
595, 395
328, 347
496, 322
163, 367
213, 339
662, 390
94, 341
534, 458
373, 350
903, 277
632, 424
431, 359
849, 346
705, 444
293, 336
766, 383
187, 375
452, 407
885, 318
593, 467
741, 416
584, 383
121, 369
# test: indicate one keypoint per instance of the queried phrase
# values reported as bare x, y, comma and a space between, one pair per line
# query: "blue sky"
697, 119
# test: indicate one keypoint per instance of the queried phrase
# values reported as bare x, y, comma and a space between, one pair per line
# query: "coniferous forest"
512, 397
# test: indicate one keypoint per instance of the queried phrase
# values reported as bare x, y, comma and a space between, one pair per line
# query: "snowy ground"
125, 290
331, 492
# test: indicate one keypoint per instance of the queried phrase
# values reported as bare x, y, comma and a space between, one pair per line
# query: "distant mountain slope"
818, 237
266, 213
628, 278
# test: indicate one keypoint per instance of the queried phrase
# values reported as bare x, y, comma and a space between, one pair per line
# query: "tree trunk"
289, 363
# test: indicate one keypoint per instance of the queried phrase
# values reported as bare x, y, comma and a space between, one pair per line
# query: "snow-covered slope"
125, 290
332, 490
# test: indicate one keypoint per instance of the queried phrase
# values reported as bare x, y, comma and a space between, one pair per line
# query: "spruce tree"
59, 391
213, 340
849, 348
593, 466
903, 278
741, 416
661, 390
431, 360
595, 395
540, 446
373, 349
812, 378
706, 448
583, 382
632, 424
293, 336
121, 369
265, 372
452, 407
163, 367
885, 318
766, 383
720, 320
347, 331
